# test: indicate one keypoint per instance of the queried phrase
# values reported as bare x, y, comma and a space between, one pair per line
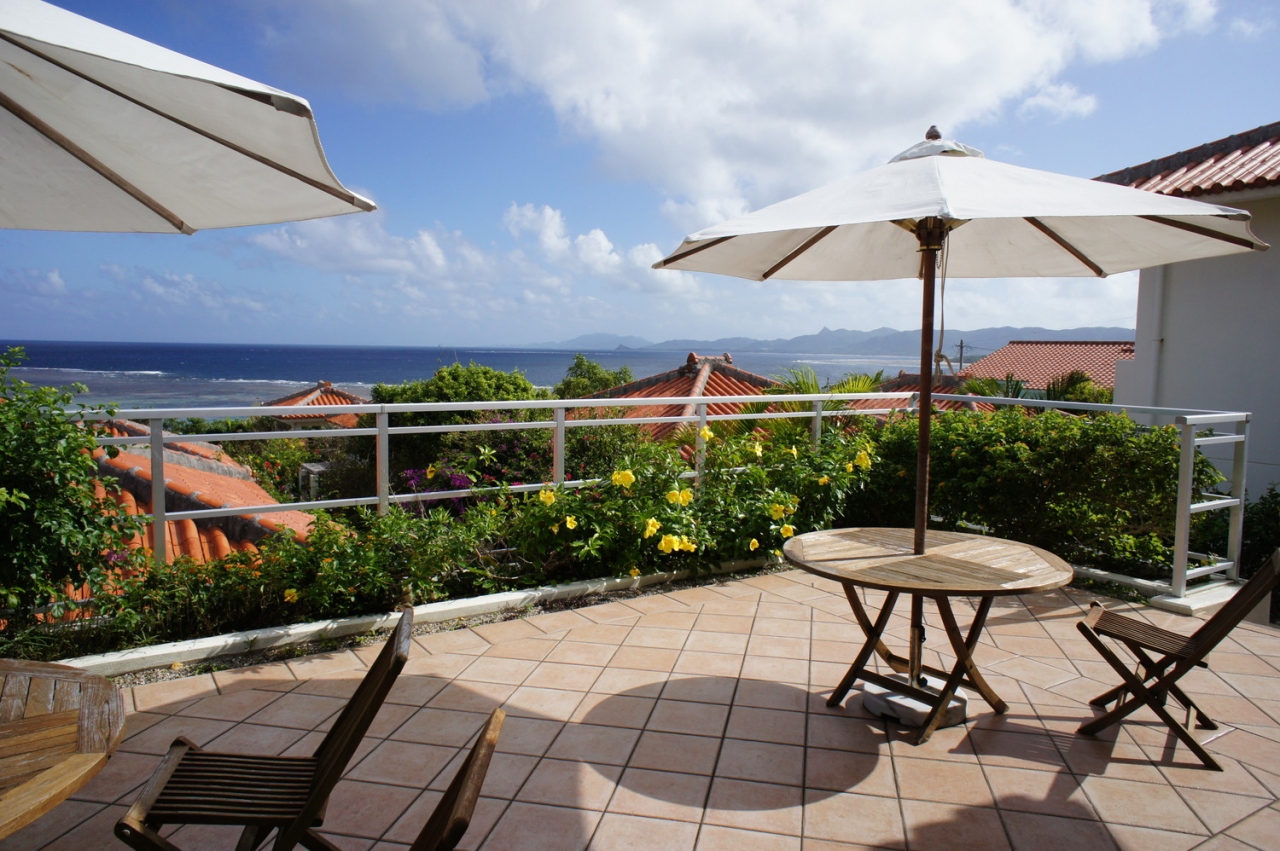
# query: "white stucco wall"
1208, 336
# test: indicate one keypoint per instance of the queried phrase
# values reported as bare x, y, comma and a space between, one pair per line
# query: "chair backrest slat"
452, 815
344, 737
1229, 616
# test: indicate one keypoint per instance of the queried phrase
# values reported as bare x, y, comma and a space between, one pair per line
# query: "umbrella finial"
932, 134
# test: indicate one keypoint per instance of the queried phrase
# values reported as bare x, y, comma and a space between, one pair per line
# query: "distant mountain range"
881, 341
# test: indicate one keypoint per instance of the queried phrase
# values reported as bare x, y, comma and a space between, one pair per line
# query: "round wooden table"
954, 564
58, 725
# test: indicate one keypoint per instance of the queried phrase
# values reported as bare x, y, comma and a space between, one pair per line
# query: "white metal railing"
1196, 428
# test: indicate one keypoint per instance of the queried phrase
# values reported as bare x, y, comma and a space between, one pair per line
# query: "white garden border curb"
198, 649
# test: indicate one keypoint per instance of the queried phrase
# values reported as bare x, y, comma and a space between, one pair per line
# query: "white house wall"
1208, 336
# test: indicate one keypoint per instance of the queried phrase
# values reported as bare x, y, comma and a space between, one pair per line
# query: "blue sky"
531, 160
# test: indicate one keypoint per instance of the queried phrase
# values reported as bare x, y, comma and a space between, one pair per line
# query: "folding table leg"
873, 641
898, 663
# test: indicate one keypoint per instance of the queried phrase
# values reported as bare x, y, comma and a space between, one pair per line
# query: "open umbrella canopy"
1002, 221
102, 131
943, 201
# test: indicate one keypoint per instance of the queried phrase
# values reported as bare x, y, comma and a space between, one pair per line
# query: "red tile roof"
1244, 161
324, 393
1037, 362
699, 377
908, 383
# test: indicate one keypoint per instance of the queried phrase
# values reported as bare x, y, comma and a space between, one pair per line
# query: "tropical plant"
1010, 388
584, 377
1076, 386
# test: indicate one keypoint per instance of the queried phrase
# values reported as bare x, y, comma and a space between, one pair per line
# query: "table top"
954, 564
58, 725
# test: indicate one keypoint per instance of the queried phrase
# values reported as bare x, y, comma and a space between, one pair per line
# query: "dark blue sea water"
153, 375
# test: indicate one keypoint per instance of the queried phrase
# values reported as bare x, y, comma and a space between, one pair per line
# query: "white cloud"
1059, 101
728, 108
1247, 29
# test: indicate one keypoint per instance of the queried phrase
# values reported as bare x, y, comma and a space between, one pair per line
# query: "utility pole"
960, 346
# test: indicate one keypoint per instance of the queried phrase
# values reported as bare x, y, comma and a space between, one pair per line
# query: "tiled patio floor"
696, 719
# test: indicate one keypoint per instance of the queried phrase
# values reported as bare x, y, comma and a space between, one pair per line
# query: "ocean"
173, 375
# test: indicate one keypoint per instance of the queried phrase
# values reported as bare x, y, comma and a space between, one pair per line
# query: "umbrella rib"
662, 264
1066, 246
804, 246
44, 129
1200, 230
353, 200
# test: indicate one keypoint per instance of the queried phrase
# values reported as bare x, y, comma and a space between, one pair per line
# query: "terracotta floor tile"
444, 666
770, 807
645, 658
402, 764
762, 761
594, 743
775, 668
847, 733
1017, 750
1259, 830
942, 782
700, 689
676, 752
713, 837
531, 736
410, 823
582, 653
324, 664
679, 716
632, 682
563, 676
535, 649
785, 611
558, 621
413, 691
669, 639
570, 783
123, 773
1047, 792
723, 623
783, 648
490, 669
952, 827
1031, 831
236, 706
256, 739
85, 817
1221, 810
1037, 673
507, 773
93, 834
660, 794
1129, 838
708, 664
849, 771
1233, 778
557, 704
655, 604
164, 696
613, 710
507, 630
1086, 756
366, 809
472, 697
780, 627
868, 819
681, 618
440, 727
953, 744
454, 641
156, 738
717, 642
254, 677
610, 613
721, 605
1141, 805
535, 827
618, 832
766, 725
765, 694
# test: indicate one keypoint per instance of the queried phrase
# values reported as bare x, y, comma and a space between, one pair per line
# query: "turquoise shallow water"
137, 375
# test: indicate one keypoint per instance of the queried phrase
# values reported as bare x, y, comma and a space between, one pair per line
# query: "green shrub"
584, 377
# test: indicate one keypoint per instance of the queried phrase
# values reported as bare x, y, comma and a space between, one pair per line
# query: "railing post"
159, 532
1182, 526
557, 448
815, 428
384, 462
700, 443
1235, 522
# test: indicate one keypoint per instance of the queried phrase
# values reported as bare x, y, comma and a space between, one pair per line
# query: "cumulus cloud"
725, 110
41, 283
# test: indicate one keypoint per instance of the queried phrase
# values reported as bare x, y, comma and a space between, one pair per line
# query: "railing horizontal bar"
1218, 567
170, 437
1219, 438
1214, 505
1211, 418
234, 510
1194, 416
547, 425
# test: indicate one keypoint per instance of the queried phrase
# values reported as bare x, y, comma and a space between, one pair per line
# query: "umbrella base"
908, 711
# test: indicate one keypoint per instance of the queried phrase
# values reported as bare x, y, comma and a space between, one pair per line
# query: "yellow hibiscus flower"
686, 496
547, 497
862, 459
754, 545
848, 468
555, 527
777, 510
673, 497
624, 478
686, 545
668, 543
651, 527
635, 571
290, 595
758, 449
570, 521
824, 480
706, 433
431, 471
787, 531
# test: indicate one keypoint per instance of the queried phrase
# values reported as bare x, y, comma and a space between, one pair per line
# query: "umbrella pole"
931, 232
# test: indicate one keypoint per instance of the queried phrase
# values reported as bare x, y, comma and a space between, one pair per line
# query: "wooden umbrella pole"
931, 232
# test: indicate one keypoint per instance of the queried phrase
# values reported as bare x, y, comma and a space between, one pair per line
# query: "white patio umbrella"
942, 199
102, 131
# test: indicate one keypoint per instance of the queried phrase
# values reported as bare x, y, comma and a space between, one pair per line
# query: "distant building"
197, 476
702, 377
1037, 362
1206, 332
324, 393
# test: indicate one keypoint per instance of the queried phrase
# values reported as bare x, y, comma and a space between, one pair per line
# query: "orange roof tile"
1037, 362
699, 377
324, 393
1244, 161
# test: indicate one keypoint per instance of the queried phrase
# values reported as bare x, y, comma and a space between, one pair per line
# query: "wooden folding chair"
196, 786
1155, 680
452, 815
